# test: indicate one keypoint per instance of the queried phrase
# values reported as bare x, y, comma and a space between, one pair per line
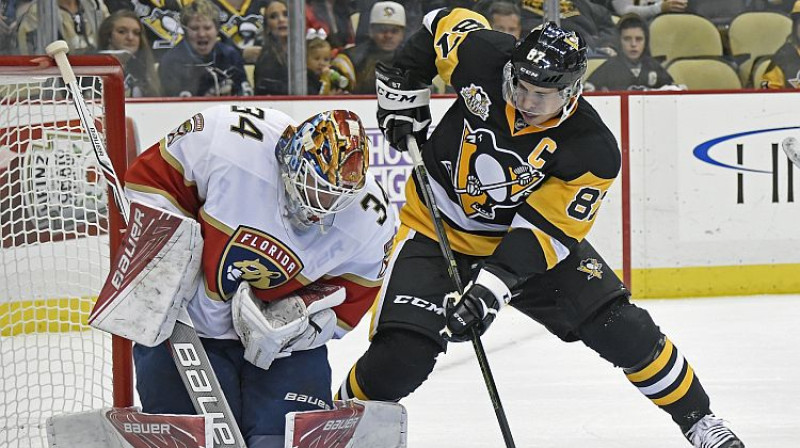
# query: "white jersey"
219, 167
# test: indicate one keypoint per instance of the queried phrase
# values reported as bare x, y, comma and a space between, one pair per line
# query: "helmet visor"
533, 100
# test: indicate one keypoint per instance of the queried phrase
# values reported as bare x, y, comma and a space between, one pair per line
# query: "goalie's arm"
173, 173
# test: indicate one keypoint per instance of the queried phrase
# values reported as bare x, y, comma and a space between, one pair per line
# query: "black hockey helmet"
550, 56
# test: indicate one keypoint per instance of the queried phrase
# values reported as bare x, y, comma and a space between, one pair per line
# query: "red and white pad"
352, 424
128, 428
155, 274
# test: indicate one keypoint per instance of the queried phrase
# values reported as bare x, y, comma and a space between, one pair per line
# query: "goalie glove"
476, 307
403, 108
271, 330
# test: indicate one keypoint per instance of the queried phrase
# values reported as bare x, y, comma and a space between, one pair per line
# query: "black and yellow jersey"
520, 195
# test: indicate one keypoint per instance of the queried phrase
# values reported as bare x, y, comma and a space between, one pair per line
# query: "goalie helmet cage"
58, 232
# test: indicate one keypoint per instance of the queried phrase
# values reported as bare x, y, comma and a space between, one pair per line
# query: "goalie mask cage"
57, 226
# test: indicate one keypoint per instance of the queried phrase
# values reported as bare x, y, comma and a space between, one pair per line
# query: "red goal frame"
117, 141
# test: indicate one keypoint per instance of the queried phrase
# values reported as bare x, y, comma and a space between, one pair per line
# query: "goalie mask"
549, 57
323, 164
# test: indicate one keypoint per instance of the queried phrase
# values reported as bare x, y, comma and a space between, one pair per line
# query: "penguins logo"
488, 177
591, 267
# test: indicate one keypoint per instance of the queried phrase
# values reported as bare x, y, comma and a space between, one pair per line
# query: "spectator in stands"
201, 65
271, 71
415, 11
592, 21
8, 23
162, 22
387, 22
648, 9
322, 80
333, 16
633, 68
505, 16
241, 25
78, 23
121, 35
783, 71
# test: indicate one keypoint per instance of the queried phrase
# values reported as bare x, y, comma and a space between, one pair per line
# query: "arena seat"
684, 35
757, 34
704, 74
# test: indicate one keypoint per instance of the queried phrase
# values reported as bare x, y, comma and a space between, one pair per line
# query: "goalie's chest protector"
248, 237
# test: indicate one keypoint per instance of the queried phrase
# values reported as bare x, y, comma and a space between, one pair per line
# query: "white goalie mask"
323, 164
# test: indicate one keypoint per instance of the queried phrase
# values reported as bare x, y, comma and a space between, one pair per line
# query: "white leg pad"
128, 428
354, 424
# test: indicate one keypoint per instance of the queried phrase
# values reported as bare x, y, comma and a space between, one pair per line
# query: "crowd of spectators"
240, 47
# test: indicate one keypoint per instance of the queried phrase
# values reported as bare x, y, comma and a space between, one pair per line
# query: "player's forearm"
518, 257
418, 57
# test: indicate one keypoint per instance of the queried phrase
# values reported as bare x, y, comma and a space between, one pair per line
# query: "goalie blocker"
154, 276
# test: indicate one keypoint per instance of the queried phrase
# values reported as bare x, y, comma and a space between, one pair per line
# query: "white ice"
558, 395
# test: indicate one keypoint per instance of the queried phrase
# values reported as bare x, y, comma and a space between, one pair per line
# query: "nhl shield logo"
476, 100
257, 258
591, 267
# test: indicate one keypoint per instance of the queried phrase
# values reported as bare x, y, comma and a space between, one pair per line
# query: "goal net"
56, 230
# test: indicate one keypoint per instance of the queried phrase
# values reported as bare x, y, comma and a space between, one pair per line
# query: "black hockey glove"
403, 107
477, 307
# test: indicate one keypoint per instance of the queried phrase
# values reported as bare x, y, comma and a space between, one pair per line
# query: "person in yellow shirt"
783, 71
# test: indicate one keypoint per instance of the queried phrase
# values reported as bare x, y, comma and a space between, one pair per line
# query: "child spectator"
201, 65
633, 68
322, 80
271, 71
121, 34
783, 71
387, 22
333, 16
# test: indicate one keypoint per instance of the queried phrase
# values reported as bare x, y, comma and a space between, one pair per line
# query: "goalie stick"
187, 351
452, 268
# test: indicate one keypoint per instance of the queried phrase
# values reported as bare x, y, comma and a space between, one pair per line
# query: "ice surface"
558, 395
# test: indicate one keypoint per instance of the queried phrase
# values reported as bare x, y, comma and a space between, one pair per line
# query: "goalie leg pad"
396, 364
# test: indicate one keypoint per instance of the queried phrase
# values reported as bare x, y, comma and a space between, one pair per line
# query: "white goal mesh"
54, 256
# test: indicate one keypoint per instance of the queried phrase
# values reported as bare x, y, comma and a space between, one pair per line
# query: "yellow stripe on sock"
654, 367
357, 392
678, 393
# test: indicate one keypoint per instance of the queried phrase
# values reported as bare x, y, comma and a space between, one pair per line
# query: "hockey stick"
187, 350
452, 268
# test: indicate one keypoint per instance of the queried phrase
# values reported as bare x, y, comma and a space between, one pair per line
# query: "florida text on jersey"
220, 168
523, 194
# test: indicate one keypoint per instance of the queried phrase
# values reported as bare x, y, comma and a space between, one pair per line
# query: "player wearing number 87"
518, 166
286, 210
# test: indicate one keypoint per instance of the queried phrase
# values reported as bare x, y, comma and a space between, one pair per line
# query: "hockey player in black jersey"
519, 166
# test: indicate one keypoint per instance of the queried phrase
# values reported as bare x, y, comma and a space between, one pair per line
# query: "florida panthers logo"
487, 177
257, 258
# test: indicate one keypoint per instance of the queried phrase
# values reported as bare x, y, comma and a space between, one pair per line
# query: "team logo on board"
591, 267
257, 258
476, 100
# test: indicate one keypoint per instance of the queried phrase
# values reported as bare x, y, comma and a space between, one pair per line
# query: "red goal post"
58, 232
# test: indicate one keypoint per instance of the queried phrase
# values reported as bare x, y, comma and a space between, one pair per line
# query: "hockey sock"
667, 379
396, 363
